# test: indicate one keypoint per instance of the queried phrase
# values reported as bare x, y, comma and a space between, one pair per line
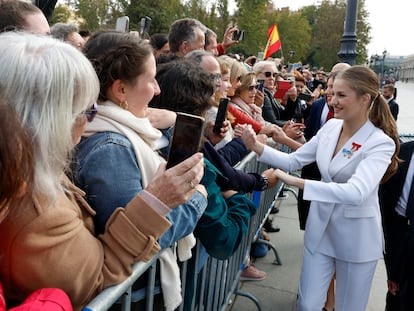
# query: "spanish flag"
273, 42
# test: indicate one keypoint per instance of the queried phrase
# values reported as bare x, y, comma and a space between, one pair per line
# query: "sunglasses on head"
91, 112
268, 74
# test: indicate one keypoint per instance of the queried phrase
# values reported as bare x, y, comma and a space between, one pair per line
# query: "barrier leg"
270, 245
251, 297
126, 300
290, 189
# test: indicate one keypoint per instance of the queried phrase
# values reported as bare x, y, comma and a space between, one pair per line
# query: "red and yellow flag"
273, 42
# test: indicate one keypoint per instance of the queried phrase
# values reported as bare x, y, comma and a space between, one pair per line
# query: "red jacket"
45, 299
242, 118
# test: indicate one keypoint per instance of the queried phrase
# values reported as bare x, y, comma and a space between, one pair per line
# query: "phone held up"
221, 115
238, 35
145, 25
122, 24
260, 84
304, 96
186, 140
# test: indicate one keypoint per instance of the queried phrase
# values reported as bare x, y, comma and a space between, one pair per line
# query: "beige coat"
54, 246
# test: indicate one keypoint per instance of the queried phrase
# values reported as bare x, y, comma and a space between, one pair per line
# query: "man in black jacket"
388, 91
397, 207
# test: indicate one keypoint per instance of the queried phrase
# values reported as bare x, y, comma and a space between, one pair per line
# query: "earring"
124, 105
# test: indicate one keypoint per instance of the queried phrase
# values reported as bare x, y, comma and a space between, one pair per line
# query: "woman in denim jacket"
118, 156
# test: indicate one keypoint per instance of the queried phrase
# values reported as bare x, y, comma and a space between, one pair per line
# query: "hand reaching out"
289, 179
271, 177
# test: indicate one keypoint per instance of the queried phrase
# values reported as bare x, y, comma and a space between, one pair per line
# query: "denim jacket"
107, 170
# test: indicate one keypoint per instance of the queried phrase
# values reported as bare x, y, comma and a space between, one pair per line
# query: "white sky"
390, 24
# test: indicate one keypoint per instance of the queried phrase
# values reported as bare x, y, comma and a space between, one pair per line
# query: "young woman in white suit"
355, 152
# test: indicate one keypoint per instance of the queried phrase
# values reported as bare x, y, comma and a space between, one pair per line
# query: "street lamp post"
348, 53
382, 67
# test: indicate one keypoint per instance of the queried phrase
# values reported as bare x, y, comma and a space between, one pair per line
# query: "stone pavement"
279, 290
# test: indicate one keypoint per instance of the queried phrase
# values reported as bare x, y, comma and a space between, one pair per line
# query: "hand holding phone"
186, 139
221, 115
306, 97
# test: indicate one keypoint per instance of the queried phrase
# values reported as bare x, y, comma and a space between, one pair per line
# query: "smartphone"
260, 84
305, 97
221, 115
282, 88
122, 24
238, 35
145, 25
186, 139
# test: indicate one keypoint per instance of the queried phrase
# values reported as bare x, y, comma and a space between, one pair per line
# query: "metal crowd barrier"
218, 280
406, 137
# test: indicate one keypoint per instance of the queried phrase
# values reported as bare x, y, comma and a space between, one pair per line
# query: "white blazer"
344, 219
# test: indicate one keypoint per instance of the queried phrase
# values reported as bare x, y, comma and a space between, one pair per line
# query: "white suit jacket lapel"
351, 150
328, 143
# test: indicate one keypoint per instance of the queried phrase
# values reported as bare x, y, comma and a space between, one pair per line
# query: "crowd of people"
86, 122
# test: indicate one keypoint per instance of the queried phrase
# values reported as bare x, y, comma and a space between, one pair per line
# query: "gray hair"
61, 31
258, 67
197, 55
48, 83
183, 30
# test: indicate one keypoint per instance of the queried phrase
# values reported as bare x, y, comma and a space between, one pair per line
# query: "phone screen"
186, 139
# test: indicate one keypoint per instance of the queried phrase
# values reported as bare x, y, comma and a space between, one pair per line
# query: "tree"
162, 13
294, 33
63, 14
327, 33
251, 16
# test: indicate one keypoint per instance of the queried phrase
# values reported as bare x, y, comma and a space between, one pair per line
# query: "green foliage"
62, 14
314, 32
162, 13
327, 32
251, 17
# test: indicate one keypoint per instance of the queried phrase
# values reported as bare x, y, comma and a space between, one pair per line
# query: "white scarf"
143, 137
139, 131
251, 110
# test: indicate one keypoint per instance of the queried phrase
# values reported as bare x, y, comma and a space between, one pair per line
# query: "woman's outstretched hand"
290, 180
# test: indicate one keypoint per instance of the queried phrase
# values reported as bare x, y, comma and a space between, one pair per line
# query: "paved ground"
278, 291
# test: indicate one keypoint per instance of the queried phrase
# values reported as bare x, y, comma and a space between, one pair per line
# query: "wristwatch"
263, 184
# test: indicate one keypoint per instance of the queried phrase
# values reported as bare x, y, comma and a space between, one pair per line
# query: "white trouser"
353, 282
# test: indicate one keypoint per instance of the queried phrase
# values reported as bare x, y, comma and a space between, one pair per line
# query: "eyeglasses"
251, 88
91, 112
268, 74
216, 77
